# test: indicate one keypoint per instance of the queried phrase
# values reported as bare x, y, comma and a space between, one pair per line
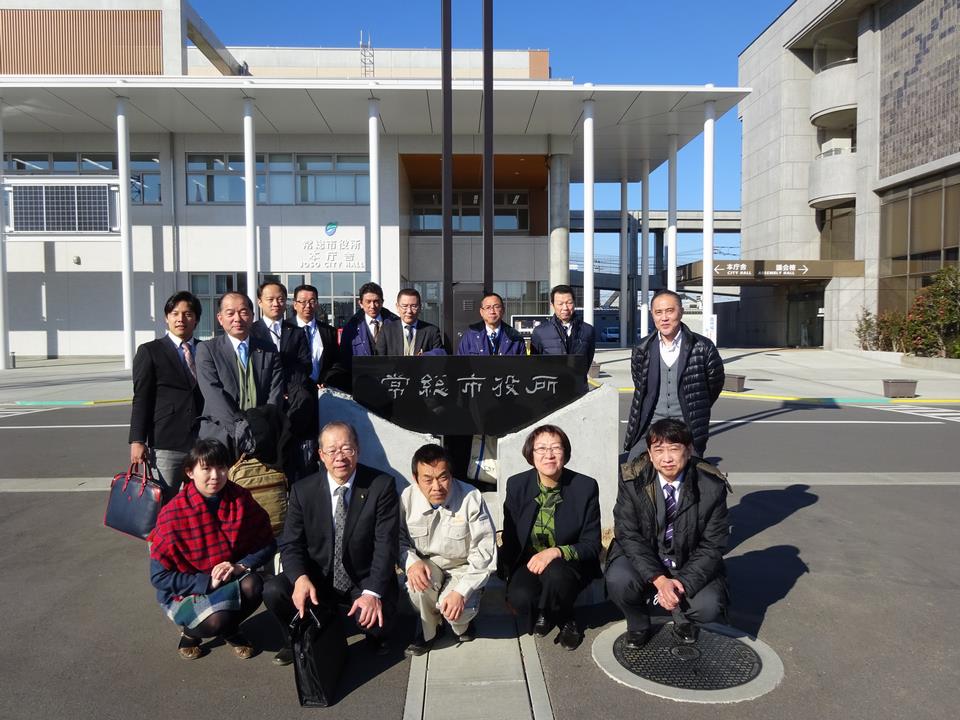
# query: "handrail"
837, 151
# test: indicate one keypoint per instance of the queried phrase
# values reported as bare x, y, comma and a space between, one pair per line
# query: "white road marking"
940, 413
59, 427
8, 412
826, 422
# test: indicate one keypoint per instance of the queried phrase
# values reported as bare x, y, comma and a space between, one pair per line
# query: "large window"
282, 179
144, 169
511, 212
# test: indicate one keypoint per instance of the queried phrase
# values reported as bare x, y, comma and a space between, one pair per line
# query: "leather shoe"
636, 639
685, 632
469, 634
284, 657
419, 646
189, 648
542, 626
242, 647
570, 635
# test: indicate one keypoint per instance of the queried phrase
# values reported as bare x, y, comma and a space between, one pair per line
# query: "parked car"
610, 334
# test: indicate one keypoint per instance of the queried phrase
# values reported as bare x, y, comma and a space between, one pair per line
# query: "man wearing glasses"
490, 336
410, 336
321, 337
339, 543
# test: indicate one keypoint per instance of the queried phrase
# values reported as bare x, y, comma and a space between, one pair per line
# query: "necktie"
275, 331
188, 359
493, 342
242, 352
374, 329
670, 503
408, 345
341, 581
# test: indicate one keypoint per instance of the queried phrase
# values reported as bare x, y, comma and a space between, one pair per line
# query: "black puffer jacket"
701, 380
549, 338
700, 530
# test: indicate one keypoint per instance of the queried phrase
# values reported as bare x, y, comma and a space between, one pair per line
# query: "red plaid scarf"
188, 537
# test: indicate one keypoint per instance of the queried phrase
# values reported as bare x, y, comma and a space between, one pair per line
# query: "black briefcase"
319, 655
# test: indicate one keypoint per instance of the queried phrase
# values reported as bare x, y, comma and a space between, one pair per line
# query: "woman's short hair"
545, 430
208, 452
671, 431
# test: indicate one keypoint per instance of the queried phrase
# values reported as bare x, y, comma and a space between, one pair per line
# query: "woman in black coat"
551, 537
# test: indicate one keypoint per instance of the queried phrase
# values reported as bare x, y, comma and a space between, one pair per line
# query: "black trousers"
552, 593
278, 599
635, 597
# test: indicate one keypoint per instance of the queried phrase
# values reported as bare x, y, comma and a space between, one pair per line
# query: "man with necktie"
339, 543
491, 336
360, 333
297, 365
166, 399
670, 533
564, 333
236, 372
409, 336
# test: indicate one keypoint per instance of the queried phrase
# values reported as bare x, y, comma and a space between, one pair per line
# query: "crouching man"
447, 547
670, 528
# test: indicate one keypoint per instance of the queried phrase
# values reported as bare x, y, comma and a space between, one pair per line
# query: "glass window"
31, 162
925, 222
98, 163
893, 229
505, 219
280, 189
315, 163
951, 220
65, 163
148, 162
363, 189
470, 219
280, 162
204, 162
343, 284
345, 189
353, 163
200, 284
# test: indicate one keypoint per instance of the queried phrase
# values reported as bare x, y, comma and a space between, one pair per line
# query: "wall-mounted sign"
737, 272
335, 248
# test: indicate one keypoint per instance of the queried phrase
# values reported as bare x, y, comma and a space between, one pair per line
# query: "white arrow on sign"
718, 269
805, 269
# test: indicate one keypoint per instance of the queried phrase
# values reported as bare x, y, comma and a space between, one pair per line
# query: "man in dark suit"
297, 366
491, 336
409, 336
340, 542
360, 333
166, 399
236, 372
565, 333
321, 339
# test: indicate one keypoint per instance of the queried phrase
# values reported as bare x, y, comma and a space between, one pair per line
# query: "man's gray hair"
340, 425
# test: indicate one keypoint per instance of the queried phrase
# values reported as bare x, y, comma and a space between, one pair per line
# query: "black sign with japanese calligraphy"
467, 395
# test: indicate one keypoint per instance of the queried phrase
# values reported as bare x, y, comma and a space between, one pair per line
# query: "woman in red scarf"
207, 542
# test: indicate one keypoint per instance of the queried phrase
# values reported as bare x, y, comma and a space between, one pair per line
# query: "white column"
627, 303
250, 197
126, 244
709, 321
645, 249
672, 215
373, 129
588, 174
4, 312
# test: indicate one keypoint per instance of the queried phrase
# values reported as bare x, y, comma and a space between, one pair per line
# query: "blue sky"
601, 41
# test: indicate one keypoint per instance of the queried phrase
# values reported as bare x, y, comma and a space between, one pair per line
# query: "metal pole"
373, 129
626, 302
250, 197
446, 245
672, 215
588, 174
709, 321
6, 361
126, 246
488, 145
645, 249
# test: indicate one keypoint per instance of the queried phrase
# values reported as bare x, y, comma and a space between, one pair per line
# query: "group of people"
348, 534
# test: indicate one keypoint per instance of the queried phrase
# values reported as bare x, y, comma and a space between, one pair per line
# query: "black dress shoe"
284, 657
570, 635
636, 639
542, 626
685, 632
469, 634
419, 646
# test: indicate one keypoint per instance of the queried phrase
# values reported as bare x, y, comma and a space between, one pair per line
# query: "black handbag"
319, 655
134, 502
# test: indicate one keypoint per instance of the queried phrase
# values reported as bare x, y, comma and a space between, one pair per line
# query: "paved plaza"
841, 560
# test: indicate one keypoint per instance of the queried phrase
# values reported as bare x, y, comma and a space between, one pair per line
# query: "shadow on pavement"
762, 509
758, 580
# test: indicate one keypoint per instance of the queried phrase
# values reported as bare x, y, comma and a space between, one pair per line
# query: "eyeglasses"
491, 307
346, 450
409, 307
545, 449
308, 303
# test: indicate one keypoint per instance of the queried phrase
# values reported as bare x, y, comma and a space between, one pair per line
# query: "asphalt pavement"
844, 533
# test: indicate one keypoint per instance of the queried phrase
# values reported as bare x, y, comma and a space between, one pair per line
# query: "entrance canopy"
632, 122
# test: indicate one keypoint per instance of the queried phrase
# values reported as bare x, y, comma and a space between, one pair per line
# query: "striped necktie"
670, 502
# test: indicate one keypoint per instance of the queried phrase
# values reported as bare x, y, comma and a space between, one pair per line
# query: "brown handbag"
269, 488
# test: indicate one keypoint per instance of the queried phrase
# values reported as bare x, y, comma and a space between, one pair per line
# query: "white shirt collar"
676, 483
177, 341
372, 320
489, 329
673, 344
301, 323
236, 343
269, 323
333, 485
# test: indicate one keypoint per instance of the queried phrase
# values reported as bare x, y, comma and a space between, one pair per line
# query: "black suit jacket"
426, 338
331, 370
370, 536
295, 358
576, 522
166, 400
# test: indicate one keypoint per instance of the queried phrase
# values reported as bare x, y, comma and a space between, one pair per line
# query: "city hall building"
851, 164
141, 156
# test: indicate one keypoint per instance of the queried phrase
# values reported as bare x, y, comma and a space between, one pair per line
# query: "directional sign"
735, 272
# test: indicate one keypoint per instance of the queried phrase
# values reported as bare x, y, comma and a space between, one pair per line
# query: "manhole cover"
716, 662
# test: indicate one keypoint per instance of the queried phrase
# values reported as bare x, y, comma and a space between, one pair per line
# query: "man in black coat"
166, 398
409, 335
670, 533
676, 374
340, 542
565, 333
297, 365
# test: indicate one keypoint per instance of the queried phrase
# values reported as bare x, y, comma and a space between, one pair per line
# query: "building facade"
851, 152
